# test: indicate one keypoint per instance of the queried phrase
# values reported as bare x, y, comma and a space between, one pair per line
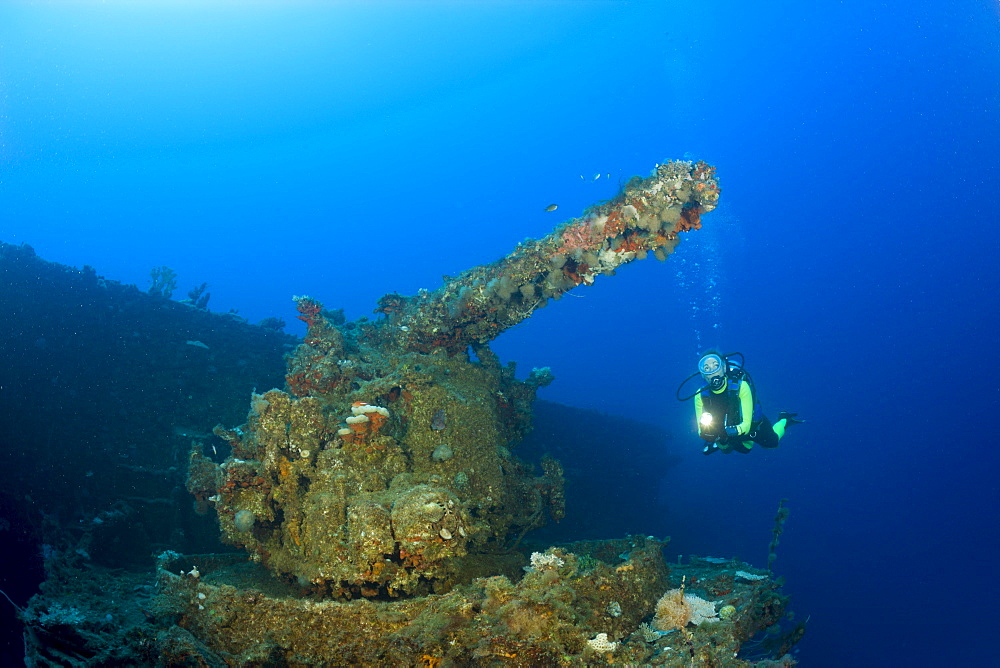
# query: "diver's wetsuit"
734, 404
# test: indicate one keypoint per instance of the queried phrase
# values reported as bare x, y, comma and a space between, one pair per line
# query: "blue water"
349, 151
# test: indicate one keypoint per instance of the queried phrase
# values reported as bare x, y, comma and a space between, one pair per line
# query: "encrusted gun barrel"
475, 307
385, 467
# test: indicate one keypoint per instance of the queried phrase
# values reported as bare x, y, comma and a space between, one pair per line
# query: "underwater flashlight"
706, 419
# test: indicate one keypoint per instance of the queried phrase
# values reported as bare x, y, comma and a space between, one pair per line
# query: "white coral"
539, 560
600, 643
701, 610
750, 576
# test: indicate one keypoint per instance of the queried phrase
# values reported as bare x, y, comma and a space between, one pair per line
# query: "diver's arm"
746, 409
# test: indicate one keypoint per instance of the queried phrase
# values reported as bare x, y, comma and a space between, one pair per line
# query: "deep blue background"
350, 151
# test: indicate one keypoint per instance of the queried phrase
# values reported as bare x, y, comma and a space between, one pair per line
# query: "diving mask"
713, 370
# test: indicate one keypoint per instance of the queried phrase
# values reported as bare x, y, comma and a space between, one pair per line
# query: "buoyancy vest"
724, 407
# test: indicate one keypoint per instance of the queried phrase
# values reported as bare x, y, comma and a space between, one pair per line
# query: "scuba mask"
713, 370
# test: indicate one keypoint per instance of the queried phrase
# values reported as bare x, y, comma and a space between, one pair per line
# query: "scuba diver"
729, 415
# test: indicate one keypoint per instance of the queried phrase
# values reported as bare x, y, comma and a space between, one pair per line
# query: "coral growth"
647, 216
367, 500
675, 610
163, 282
578, 237
555, 615
600, 643
386, 467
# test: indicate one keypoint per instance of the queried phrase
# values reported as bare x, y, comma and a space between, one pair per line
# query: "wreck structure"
385, 467
382, 502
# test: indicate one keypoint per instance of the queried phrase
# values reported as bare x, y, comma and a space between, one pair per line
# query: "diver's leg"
768, 435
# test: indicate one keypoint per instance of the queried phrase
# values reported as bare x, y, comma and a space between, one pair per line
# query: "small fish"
607, 176
552, 207
597, 176
437, 422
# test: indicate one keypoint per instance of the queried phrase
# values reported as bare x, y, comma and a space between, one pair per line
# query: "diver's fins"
789, 418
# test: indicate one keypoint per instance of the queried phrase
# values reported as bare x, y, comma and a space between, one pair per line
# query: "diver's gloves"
789, 418
710, 448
